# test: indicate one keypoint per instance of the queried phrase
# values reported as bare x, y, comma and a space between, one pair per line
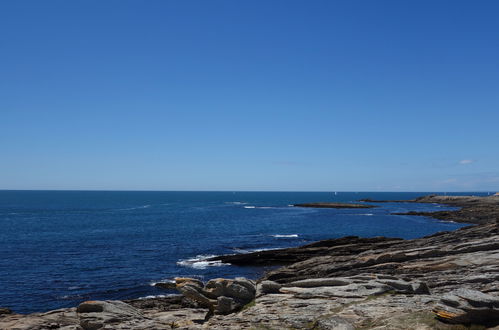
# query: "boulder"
467, 306
240, 289
220, 295
180, 281
226, 305
266, 287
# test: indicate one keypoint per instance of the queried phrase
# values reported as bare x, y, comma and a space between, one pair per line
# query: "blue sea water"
58, 248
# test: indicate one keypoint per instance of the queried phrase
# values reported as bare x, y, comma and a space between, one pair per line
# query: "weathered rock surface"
468, 306
220, 296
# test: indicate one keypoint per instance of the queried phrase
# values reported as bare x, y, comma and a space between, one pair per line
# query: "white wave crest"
162, 281
237, 250
250, 207
201, 262
284, 236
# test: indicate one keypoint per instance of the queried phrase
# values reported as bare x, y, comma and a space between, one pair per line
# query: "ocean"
59, 248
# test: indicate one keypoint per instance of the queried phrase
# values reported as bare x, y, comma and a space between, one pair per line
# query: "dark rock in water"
334, 247
5, 311
473, 209
468, 306
166, 285
335, 205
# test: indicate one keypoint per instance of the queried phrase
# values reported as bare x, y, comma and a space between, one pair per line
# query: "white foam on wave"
168, 280
236, 203
75, 287
368, 214
135, 208
201, 262
259, 207
252, 250
285, 236
159, 296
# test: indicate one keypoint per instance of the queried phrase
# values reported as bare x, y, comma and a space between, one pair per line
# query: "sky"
277, 95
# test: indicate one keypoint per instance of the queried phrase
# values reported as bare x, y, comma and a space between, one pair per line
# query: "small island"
328, 205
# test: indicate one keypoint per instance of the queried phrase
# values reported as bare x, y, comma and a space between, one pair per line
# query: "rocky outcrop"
473, 209
220, 296
95, 315
350, 245
329, 205
327, 303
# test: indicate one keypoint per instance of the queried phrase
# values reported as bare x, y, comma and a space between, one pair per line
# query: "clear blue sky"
249, 95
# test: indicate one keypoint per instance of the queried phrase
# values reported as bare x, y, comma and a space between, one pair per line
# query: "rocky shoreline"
449, 280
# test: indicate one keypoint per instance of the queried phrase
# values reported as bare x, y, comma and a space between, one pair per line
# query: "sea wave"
285, 235
238, 250
162, 281
135, 208
236, 203
201, 262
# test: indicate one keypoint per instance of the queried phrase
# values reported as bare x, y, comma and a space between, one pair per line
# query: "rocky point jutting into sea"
448, 280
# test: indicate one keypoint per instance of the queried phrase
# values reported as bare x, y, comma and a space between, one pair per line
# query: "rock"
96, 314
332, 323
196, 294
315, 282
468, 306
220, 295
226, 305
166, 285
336, 205
239, 289
420, 288
180, 281
4, 311
267, 287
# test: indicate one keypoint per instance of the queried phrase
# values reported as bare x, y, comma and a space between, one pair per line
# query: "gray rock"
316, 282
468, 306
96, 314
196, 294
239, 289
226, 305
266, 287
332, 323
